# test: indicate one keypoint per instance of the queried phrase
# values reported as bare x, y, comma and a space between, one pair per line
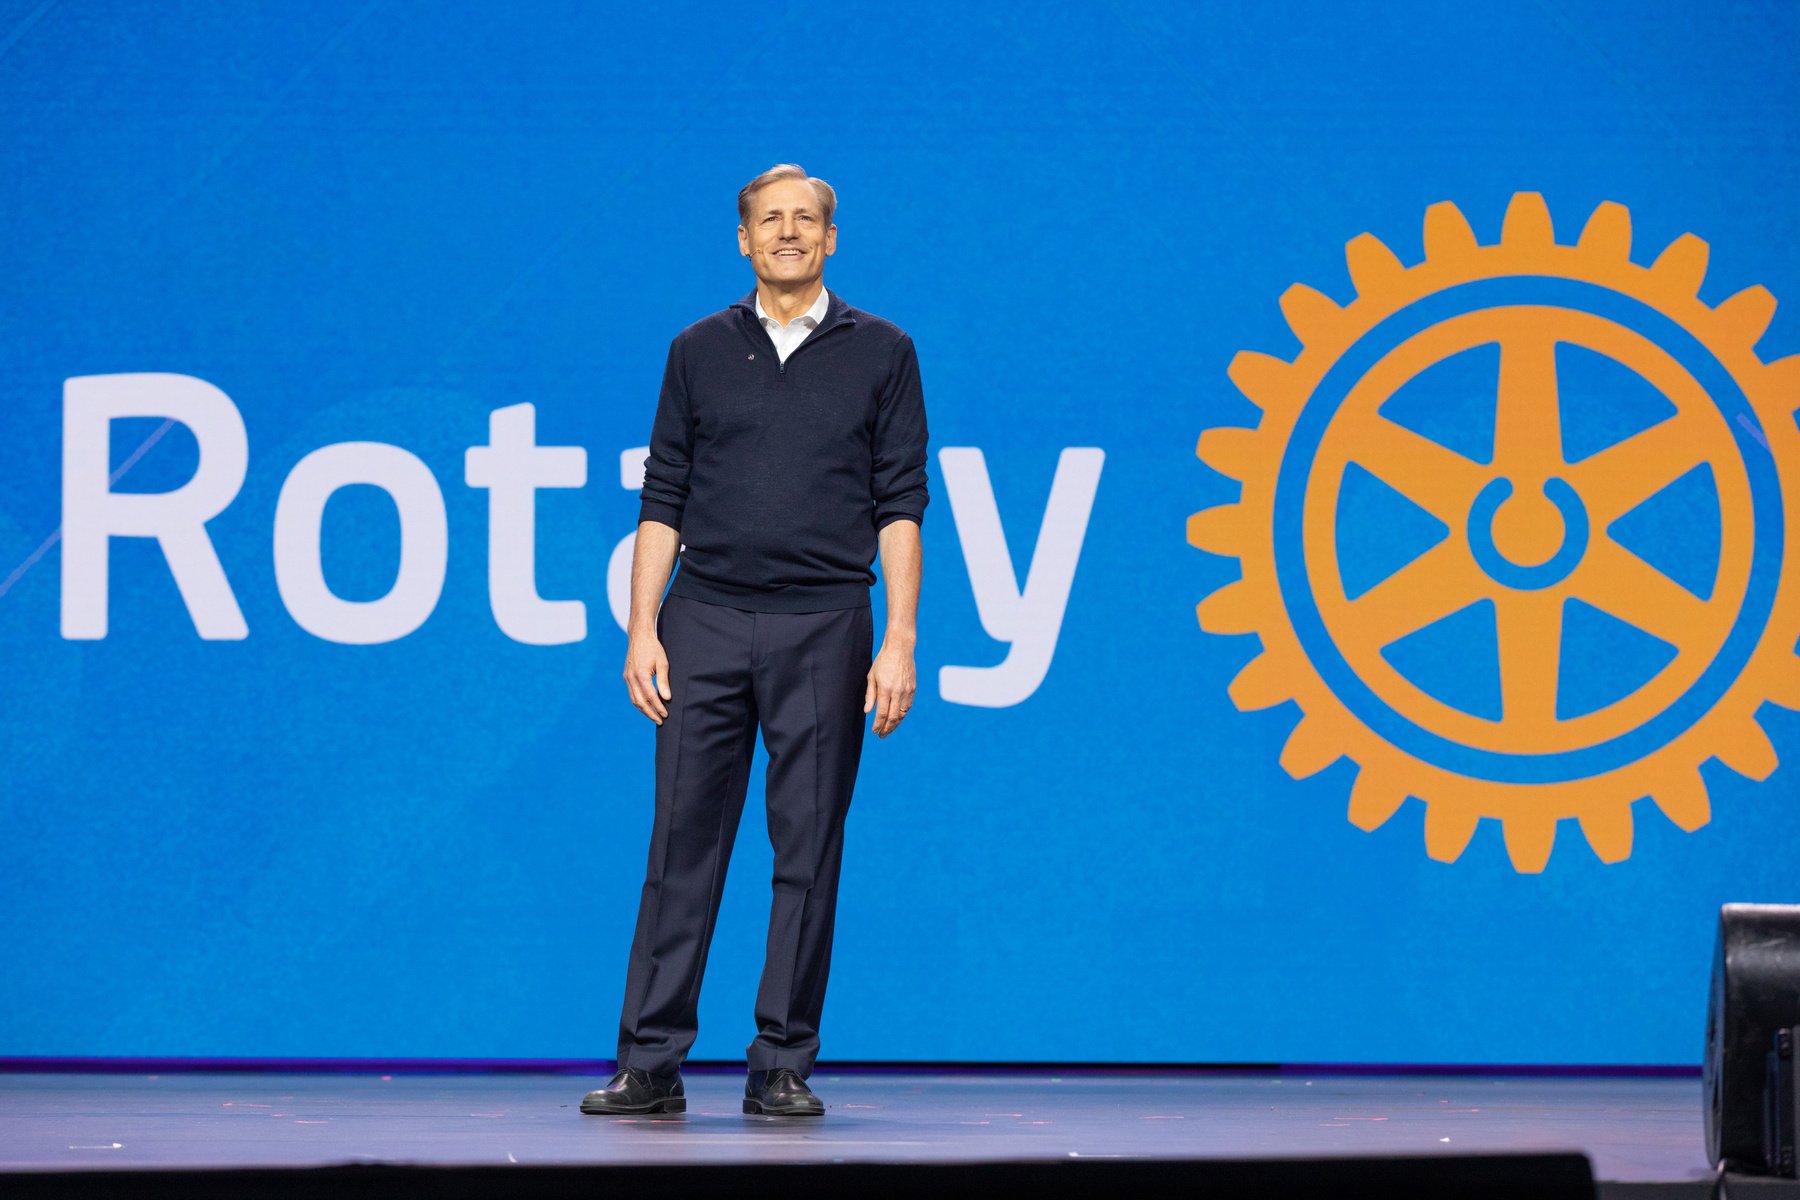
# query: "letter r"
93, 514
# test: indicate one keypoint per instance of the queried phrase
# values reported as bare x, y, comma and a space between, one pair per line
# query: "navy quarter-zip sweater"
779, 476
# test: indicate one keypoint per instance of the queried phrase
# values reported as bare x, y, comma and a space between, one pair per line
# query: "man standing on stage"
788, 446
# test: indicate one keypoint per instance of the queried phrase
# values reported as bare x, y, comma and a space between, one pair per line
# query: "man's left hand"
889, 694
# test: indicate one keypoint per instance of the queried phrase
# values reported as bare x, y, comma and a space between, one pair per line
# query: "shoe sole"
758, 1109
674, 1104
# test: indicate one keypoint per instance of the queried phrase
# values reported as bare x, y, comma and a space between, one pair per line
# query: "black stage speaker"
1781, 1100
1755, 994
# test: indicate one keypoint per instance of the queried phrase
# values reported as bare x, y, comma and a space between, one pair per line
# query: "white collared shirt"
786, 337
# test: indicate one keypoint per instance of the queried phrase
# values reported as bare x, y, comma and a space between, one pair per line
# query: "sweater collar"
836, 311
814, 313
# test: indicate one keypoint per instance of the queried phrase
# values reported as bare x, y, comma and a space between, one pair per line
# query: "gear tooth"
1309, 749
1231, 609
1262, 378
1230, 450
1527, 223
1219, 530
1373, 801
1784, 686
1746, 316
1608, 831
1261, 684
1529, 841
1372, 265
1682, 267
1608, 231
1309, 312
1448, 830
1784, 381
1684, 801
1447, 232
1750, 752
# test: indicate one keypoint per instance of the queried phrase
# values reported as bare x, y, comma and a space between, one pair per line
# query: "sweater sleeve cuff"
652, 510
888, 518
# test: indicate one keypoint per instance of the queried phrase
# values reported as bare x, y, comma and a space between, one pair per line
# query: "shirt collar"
815, 314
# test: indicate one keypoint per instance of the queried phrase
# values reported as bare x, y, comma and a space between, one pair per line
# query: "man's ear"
830, 240
744, 241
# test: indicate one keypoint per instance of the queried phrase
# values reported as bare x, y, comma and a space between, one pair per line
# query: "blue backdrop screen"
1471, 734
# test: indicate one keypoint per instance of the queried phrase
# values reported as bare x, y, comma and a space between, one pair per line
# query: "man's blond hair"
821, 189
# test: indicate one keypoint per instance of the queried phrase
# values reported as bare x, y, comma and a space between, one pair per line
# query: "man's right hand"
647, 676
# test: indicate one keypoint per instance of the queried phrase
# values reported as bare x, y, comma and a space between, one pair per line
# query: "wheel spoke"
1527, 421
1437, 479
1618, 582
1529, 625
1439, 582
1625, 474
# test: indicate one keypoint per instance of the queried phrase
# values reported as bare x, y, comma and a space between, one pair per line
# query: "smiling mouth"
789, 253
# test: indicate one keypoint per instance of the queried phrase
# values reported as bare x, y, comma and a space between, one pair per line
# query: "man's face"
785, 236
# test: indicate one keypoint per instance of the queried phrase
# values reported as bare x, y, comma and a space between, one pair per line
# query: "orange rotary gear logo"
1587, 593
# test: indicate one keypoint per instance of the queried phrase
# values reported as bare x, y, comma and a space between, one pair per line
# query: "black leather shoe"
633, 1092
780, 1093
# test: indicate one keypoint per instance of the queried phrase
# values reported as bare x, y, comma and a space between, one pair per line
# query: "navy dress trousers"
800, 678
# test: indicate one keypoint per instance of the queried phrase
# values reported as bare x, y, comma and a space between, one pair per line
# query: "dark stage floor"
1633, 1130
